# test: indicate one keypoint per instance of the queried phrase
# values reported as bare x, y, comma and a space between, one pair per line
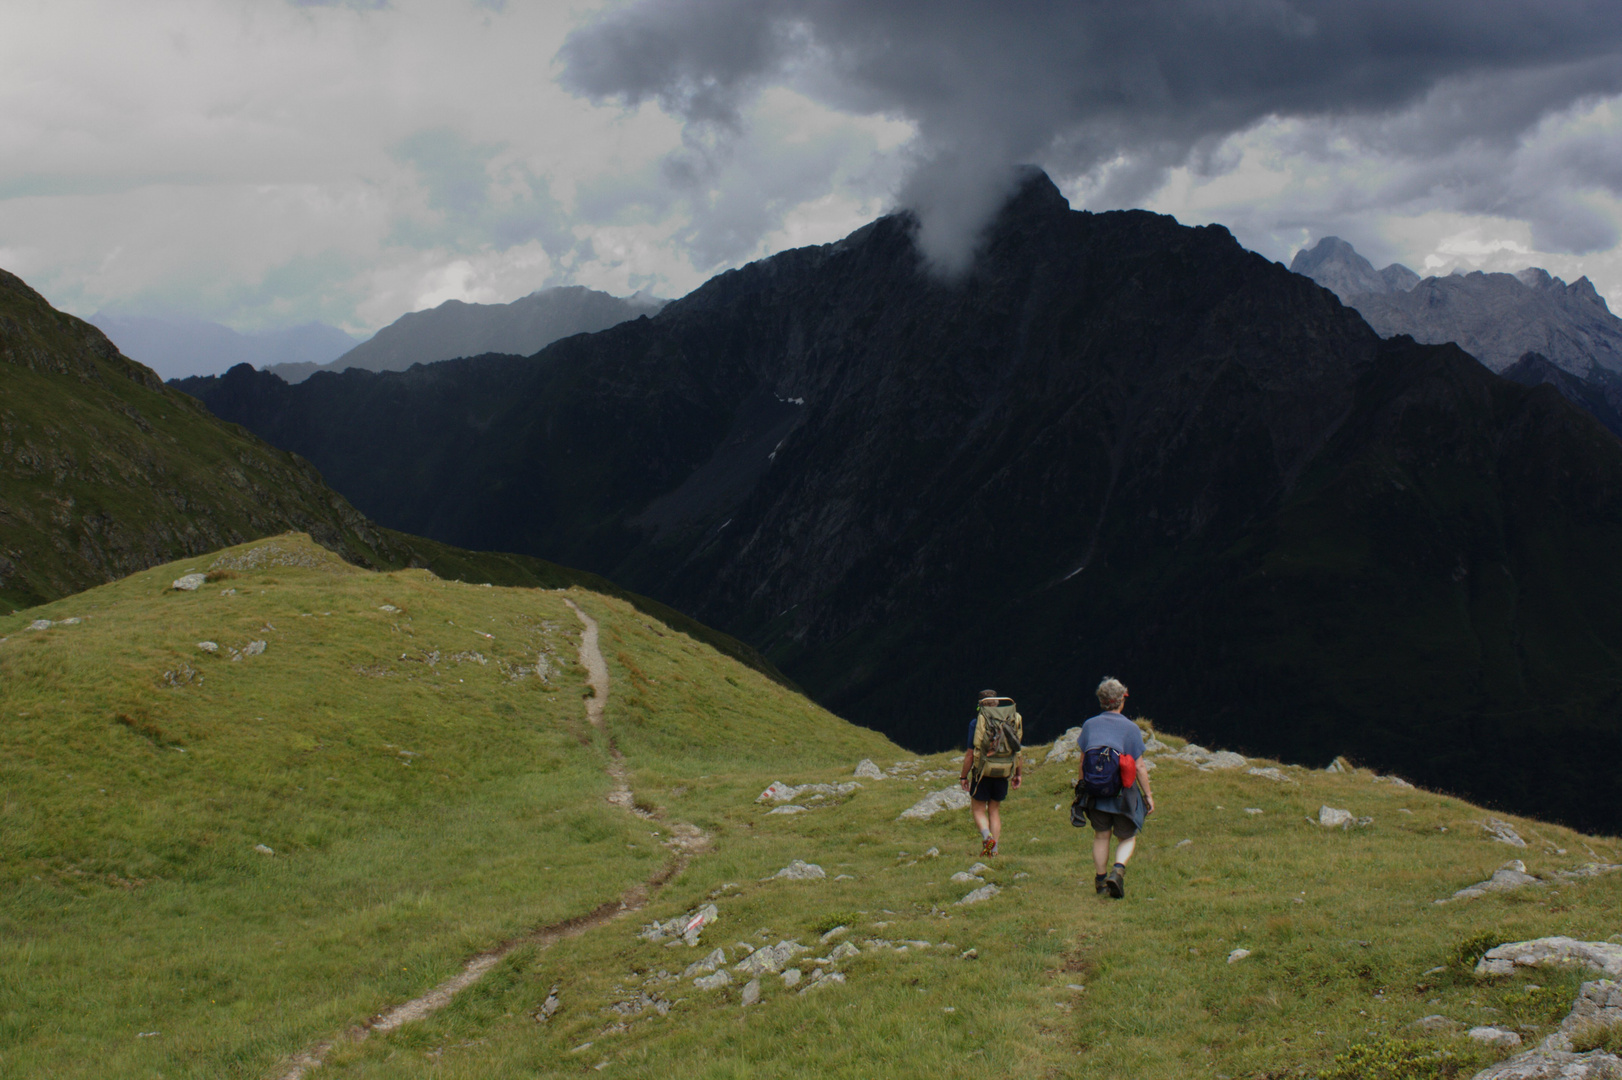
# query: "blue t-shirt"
973, 725
1115, 731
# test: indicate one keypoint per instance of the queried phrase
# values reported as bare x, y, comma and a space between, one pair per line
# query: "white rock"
716, 959
1224, 759
769, 961
712, 982
1502, 832
979, 868
41, 624
776, 791
1436, 1024
1185, 842
209, 646
963, 877
835, 932
1394, 781
827, 979
1558, 952
751, 992
984, 892
1270, 773
933, 853
263, 850
1339, 765
788, 810
388, 607
867, 770
1238, 955
188, 582
1512, 875
1494, 1036
844, 951
253, 648
952, 798
1331, 818
792, 977
1152, 745
1066, 747
799, 870
1252, 810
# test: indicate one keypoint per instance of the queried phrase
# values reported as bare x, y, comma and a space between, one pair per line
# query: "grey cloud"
458, 176
1121, 92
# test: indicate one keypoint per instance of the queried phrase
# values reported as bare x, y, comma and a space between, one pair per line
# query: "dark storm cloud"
1125, 91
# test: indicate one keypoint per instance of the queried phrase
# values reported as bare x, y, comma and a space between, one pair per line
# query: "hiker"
1112, 791
993, 758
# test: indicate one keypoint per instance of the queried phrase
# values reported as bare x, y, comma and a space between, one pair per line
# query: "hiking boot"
1098, 883
1115, 881
988, 846
993, 850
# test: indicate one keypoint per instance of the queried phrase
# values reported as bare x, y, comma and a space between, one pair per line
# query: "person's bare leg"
1101, 853
1124, 850
981, 814
996, 822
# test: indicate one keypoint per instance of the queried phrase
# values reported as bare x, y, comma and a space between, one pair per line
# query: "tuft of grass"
1606, 1037
1392, 1059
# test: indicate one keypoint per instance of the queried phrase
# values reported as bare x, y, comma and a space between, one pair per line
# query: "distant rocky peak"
1337, 266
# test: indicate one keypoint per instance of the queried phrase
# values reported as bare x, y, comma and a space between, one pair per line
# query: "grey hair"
1111, 692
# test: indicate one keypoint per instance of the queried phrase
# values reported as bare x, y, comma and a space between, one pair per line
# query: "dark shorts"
1120, 824
990, 789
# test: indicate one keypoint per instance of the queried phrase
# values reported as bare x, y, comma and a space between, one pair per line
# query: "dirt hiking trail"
685, 842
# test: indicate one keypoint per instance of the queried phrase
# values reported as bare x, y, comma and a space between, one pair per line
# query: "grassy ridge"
421, 804
420, 812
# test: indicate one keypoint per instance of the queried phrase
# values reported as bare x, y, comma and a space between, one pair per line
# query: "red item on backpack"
1129, 770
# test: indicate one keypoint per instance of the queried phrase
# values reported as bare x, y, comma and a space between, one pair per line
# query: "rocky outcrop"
1336, 265
1558, 952
1599, 1005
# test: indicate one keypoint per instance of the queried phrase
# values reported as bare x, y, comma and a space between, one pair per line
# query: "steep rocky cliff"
1119, 445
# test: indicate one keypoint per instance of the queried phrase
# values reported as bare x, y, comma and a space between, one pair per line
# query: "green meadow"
428, 788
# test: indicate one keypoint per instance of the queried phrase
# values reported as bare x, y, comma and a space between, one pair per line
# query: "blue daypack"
1101, 772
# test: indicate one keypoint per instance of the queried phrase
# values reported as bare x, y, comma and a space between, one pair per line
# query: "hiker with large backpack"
992, 762
1112, 794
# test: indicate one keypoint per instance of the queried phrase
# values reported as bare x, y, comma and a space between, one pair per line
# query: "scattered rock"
263, 850
1270, 773
969, 954
1599, 1005
1394, 781
1331, 818
933, 853
826, 979
209, 646
788, 810
866, 770
1512, 875
1559, 952
1589, 870
769, 961
1184, 842
683, 928
41, 624
751, 992
712, 982
979, 868
1151, 745
984, 892
1208, 760
1021, 875
1238, 955
792, 977
1436, 1024
835, 932
846, 877
1502, 832
1494, 1036
844, 951
1339, 765
963, 877
390, 608
253, 648
952, 798
798, 870
548, 1007
781, 792
716, 959
1066, 747
188, 582
1252, 810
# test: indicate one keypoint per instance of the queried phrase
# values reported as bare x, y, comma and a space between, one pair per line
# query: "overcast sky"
265, 163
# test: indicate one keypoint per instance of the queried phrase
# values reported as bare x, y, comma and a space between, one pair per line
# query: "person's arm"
1143, 783
963, 773
1019, 768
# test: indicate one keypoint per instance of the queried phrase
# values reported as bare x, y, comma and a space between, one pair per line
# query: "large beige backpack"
997, 736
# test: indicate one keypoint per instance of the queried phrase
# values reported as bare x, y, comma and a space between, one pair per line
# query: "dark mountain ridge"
1120, 445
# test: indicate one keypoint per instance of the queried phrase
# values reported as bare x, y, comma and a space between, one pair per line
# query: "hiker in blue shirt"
1121, 814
